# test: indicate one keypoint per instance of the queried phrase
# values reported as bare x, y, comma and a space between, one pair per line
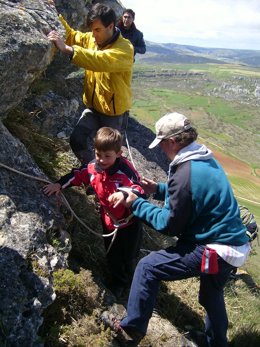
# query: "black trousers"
123, 255
81, 139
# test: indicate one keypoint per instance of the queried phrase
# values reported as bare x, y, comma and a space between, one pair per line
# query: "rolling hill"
175, 53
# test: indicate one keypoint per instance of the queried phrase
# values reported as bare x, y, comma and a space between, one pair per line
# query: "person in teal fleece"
201, 211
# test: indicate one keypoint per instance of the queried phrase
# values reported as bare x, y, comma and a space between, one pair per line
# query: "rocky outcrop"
28, 220
33, 239
24, 49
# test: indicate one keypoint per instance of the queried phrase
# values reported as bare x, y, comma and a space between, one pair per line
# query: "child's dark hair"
102, 12
108, 139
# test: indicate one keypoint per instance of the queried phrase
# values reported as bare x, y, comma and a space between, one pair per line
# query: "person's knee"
142, 265
145, 267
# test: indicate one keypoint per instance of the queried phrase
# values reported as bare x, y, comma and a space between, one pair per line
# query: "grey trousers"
81, 139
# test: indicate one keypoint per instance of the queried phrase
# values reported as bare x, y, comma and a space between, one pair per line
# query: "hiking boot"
126, 337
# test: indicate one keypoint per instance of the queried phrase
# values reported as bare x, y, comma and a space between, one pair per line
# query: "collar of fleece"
193, 151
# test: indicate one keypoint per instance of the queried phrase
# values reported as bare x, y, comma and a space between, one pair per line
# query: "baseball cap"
169, 125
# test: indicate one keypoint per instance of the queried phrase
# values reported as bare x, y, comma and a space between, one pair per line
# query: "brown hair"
186, 137
102, 12
108, 139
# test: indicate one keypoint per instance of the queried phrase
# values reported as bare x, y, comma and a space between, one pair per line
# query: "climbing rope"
64, 200
129, 150
113, 233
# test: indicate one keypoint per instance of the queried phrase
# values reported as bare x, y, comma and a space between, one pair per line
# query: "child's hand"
149, 186
116, 199
52, 188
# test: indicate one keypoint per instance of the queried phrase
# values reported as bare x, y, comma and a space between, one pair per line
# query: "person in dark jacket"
130, 32
201, 210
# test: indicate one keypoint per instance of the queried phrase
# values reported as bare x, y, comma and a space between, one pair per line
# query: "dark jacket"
135, 36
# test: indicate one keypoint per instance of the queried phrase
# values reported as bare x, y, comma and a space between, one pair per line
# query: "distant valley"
175, 53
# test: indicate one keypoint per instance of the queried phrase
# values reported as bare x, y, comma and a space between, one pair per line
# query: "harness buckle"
120, 223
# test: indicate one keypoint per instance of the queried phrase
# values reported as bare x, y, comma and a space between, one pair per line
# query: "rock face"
29, 221
38, 80
24, 217
24, 49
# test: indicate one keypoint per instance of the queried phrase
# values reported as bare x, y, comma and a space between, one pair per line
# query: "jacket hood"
194, 151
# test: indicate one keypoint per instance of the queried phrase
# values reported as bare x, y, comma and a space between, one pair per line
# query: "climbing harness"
118, 224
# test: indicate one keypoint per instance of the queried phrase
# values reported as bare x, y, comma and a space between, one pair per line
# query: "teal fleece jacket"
199, 203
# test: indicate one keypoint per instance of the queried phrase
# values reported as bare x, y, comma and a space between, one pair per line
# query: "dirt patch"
235, 167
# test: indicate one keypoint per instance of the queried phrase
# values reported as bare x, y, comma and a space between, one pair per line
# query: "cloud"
214, 23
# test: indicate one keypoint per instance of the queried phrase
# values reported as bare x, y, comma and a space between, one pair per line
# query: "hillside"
175, 53
223, 100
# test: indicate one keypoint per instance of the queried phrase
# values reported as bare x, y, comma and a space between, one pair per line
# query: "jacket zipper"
113, 100
93, 94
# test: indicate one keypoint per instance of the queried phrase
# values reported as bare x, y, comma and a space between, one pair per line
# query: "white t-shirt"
233, 255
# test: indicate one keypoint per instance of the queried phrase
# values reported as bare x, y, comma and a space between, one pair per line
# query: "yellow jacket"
108, 71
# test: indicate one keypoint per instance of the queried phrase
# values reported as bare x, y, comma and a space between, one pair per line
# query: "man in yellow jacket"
108, 62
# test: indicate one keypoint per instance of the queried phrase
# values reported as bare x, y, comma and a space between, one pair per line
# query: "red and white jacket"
106, 182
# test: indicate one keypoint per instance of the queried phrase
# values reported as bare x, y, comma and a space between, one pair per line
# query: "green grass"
178, 302
161, 100
245, 188
220, 136
219, 71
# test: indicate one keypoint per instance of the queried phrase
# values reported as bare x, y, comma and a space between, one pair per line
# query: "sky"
205, 23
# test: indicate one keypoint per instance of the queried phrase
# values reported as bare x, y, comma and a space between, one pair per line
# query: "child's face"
106, 159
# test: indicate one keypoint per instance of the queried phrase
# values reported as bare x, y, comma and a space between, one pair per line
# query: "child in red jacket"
108, 173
